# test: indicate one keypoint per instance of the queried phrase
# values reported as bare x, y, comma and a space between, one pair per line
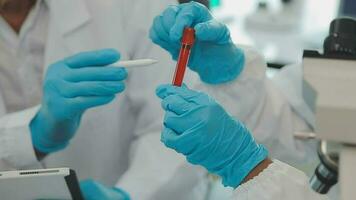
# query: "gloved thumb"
212, 31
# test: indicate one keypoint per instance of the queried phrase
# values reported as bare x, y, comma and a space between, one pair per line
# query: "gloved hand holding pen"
196, 126
214, 56
71, 86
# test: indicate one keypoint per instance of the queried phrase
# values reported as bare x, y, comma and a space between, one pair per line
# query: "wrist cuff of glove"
47, 148
44, 146
235, 173
41, 126
125, 195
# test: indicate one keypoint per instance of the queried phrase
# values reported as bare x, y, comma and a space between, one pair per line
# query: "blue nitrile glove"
71, 86
93, 190
198, 127
214, 56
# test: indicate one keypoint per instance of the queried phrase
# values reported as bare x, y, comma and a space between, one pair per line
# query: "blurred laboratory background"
280, 29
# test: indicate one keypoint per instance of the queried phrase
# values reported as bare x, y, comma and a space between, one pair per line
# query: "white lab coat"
119, 143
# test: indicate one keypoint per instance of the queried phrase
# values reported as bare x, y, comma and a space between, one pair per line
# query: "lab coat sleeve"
279, 181
263, 107
16, 150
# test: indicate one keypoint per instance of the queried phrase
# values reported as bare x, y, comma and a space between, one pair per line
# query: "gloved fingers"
186, 20
169, 17
81, 104
91, 88
180, 123
188, 142
159, 32
161, 91
188, 15
159, 29
212, 31
159, 39
168, 137
87, 184
165, 90
176, 104
90, 189
93, 58
97, 74
184, 144
93, 190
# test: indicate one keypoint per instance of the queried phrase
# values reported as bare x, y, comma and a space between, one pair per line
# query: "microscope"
333, 76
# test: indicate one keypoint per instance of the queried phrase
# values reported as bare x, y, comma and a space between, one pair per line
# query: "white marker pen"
135, 63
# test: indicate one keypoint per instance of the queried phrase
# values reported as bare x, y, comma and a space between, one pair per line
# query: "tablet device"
40, 184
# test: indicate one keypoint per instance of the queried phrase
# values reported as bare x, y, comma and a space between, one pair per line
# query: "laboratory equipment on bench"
187, 42
333, 76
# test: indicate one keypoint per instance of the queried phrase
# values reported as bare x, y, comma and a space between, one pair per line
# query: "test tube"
186, 46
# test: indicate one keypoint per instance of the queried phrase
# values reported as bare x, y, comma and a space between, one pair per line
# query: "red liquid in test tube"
187, 44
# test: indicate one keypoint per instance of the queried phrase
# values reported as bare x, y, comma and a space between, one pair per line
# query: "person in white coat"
117, 144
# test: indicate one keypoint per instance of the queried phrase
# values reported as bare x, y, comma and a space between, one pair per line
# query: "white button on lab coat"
120, 142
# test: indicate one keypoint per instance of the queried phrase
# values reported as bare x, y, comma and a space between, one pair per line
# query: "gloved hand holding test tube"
215, 57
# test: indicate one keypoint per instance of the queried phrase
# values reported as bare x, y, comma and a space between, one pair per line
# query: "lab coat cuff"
16, 141
266, 182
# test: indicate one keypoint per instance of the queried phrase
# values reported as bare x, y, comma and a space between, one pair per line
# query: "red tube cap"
188, 36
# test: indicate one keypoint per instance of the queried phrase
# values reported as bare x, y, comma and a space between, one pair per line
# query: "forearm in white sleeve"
278, 182
16, 150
